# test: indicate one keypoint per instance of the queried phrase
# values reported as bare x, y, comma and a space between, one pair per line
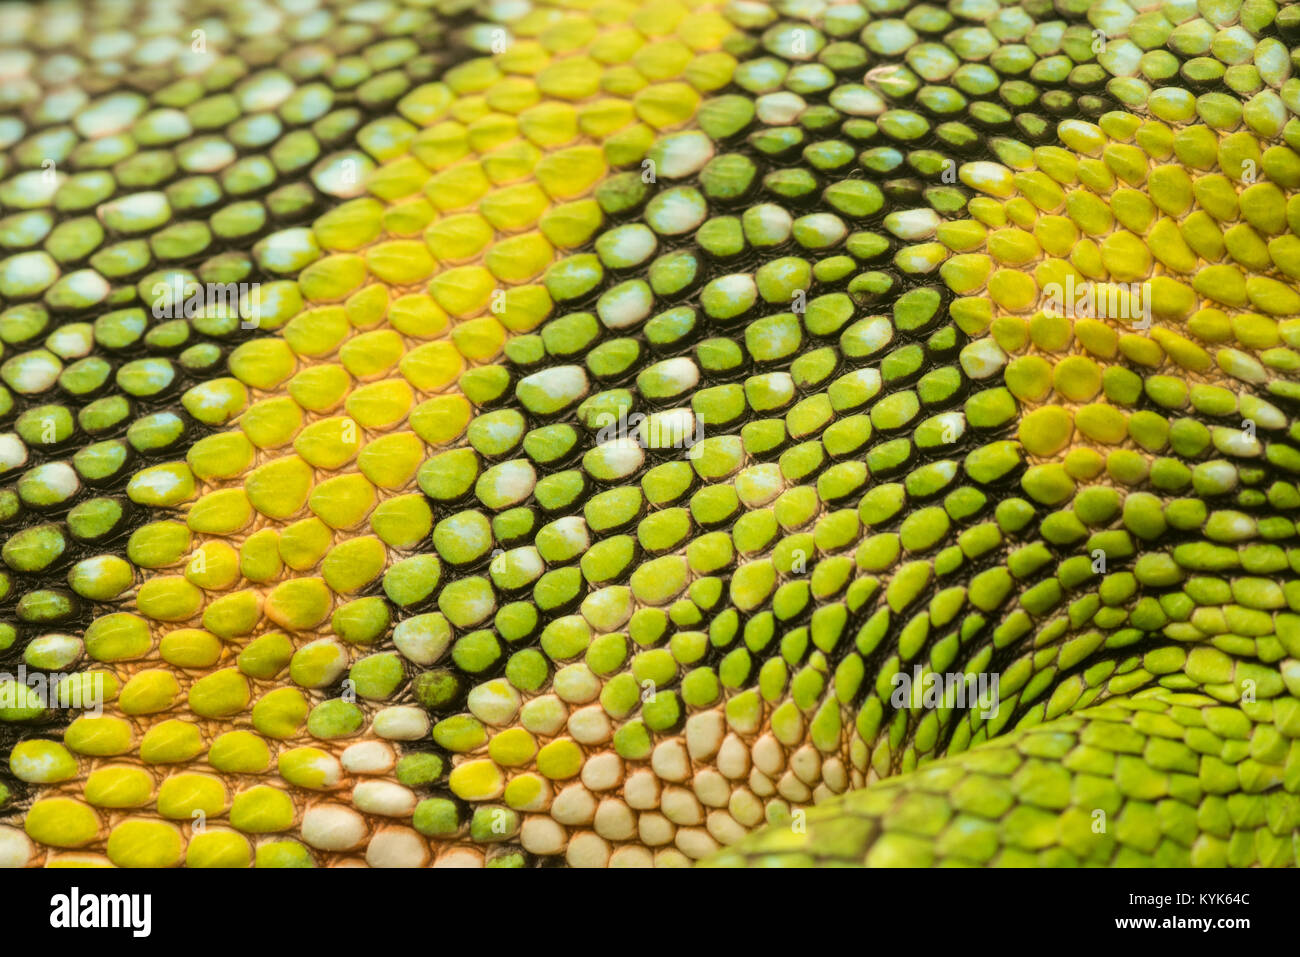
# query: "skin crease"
403, 575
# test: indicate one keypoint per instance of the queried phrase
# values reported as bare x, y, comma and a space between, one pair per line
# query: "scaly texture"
625, 398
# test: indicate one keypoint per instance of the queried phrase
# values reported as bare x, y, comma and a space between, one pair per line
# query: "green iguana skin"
622, 401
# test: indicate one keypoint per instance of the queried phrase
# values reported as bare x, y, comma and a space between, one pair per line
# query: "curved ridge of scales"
635, 392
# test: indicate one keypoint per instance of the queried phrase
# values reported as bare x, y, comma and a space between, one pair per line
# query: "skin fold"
611, 434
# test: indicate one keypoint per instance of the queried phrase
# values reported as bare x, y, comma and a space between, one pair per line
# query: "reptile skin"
625, 416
